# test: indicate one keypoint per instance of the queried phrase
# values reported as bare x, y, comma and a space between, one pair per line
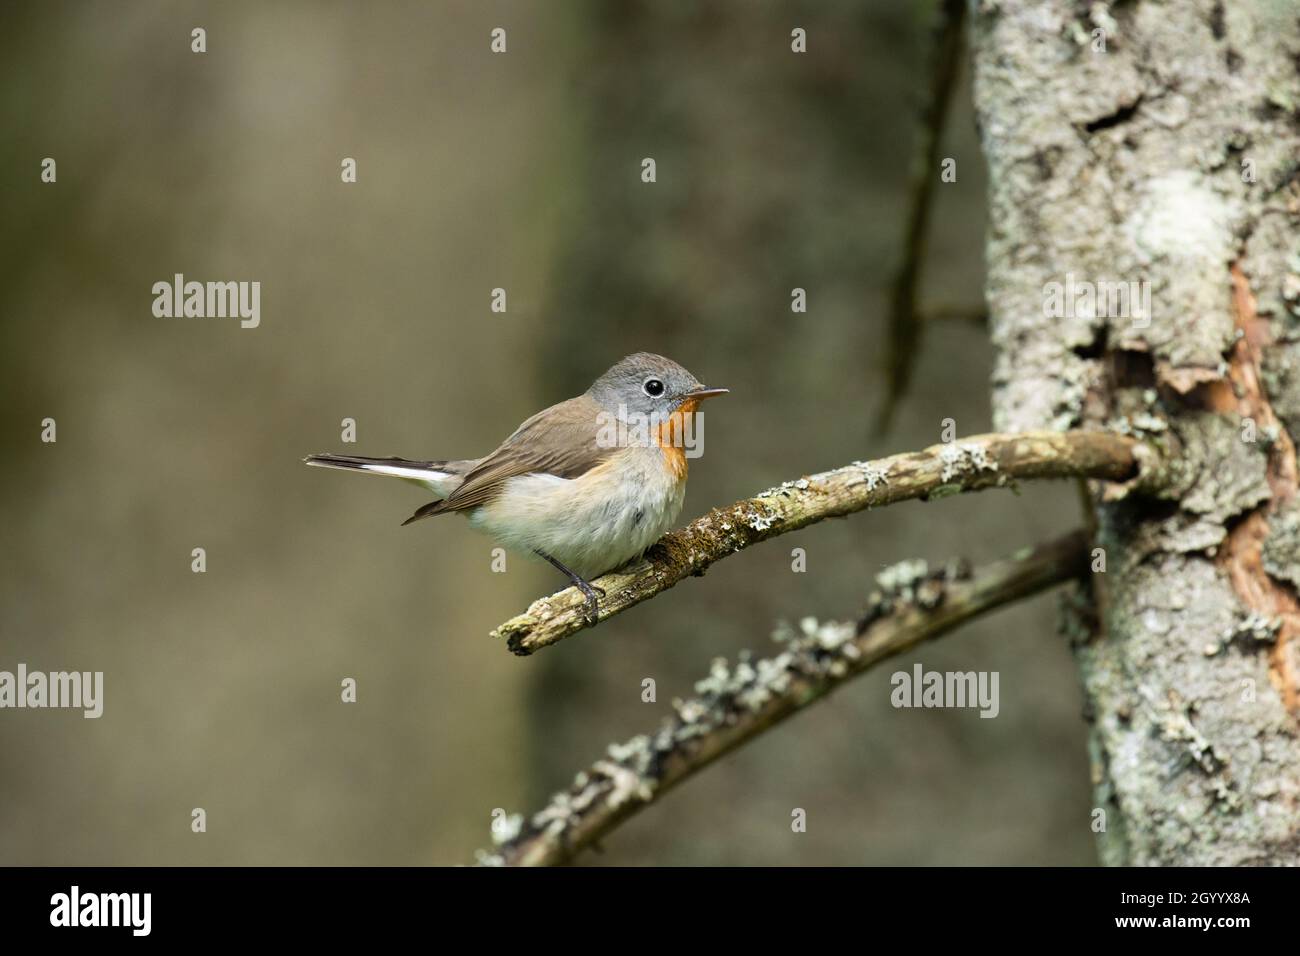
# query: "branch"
969, 316
970, 464
912, 605
904, 323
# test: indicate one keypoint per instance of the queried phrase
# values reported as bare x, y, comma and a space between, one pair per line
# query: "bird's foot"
590, 591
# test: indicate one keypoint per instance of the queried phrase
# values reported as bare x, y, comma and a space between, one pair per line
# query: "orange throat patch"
671, 438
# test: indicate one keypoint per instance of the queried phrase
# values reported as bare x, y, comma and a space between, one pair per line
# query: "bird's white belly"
590, 524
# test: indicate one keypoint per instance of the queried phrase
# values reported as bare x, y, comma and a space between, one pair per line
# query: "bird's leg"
589, 590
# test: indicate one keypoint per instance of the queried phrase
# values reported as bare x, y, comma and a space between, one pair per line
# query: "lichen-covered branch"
970, 464
734, 705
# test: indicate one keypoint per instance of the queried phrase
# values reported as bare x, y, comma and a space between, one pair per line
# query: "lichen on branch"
968, 464
733, 705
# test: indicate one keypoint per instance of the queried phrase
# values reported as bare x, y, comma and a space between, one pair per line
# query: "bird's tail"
439, 477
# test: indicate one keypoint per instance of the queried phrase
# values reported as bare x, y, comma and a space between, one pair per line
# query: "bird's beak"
690, 401
700, 394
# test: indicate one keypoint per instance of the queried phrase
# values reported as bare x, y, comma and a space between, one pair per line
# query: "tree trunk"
1169, 159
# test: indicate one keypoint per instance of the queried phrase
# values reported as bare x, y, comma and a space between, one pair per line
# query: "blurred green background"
476, 171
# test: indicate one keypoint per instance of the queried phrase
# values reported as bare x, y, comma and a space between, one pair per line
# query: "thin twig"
903, 329
969, 316
969, 464
733, 706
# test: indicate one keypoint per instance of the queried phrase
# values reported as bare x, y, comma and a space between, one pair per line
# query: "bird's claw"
592, 609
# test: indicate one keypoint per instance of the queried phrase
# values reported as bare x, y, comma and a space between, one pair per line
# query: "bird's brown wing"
561, 440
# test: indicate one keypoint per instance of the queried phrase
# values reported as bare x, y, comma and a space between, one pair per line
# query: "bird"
587, 484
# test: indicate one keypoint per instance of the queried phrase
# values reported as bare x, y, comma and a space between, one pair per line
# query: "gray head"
646, 384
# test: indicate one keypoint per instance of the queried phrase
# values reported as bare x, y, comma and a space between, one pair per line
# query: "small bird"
587, 484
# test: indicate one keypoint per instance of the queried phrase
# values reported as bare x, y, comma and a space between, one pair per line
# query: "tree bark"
1170, 159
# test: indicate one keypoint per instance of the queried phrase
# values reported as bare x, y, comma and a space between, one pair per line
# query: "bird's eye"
653, 387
